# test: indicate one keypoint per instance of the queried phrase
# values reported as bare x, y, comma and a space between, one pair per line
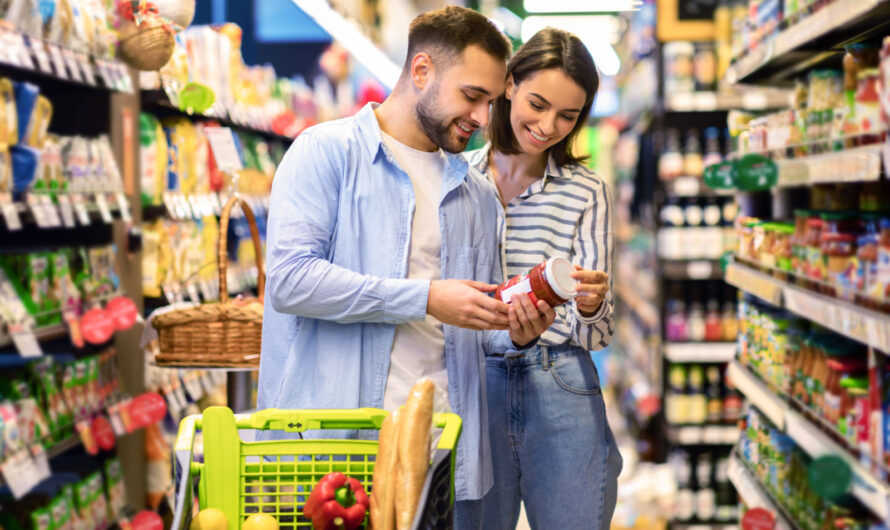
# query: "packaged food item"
693, 163
549, 281
153, 156
868, 106
704, 66
885, 82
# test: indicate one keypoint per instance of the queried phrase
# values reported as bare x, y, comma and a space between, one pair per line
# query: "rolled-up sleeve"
302, 219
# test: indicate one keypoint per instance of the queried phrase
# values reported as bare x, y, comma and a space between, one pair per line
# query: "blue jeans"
551, 444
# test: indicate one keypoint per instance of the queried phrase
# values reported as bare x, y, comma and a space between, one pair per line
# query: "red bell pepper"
337, 502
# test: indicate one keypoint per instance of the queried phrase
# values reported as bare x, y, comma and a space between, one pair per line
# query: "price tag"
21, 48
37, 210
58, 61
124, 206
222, 143
52, 213
192, 386
102, 66
89, 75
11, 216
40, 53
19, 473
104, 210
67, 211
25, 341
117, 424
698, 270
192, 290
80, 209
71, 62
41, 462
206, 382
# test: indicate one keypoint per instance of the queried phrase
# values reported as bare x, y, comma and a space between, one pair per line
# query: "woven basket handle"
224, 253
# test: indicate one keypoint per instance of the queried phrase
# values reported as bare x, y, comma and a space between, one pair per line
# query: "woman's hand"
527, 320
592, 288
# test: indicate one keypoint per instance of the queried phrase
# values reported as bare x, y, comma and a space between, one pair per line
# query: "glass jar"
764, 240
782, 250
838, 251
884, 265
814, 266
798, 242
866, 281
868, 107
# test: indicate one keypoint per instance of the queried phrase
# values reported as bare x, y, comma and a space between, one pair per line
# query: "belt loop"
545, 358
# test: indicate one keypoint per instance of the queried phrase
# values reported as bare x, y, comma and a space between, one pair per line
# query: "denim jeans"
551, 444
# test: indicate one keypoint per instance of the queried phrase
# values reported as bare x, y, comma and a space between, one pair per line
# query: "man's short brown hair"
445, 33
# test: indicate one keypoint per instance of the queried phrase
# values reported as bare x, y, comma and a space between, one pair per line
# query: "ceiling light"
350, 37
597, 32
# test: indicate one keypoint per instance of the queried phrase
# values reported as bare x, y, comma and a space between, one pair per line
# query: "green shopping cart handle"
321, 419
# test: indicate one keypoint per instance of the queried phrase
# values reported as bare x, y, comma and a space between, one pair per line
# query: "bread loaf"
383, 507
414, 450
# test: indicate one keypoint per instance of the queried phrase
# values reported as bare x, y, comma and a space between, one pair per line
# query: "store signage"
757, 172
96, 326
758, 519
147, 520
146, 409
722, 176
222, 144
123, 312
103, 433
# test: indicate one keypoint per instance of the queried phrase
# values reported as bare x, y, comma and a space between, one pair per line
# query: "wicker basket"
148, 46
226, 334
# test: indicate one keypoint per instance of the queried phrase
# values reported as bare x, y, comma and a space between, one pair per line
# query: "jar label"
522, 286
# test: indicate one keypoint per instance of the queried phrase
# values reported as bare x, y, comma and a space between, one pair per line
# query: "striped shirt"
567, 213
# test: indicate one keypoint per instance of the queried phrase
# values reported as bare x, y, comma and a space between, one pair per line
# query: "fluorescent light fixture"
510, 21
351, 38
597, 32
580, 6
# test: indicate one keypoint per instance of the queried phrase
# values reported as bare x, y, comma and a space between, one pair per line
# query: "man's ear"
422, 70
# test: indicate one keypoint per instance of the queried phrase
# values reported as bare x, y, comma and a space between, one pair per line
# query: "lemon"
209, 519
260, 521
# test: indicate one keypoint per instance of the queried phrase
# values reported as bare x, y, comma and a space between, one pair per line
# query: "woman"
551, 443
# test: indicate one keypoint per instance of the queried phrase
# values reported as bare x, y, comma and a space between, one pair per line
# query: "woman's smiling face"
544, 108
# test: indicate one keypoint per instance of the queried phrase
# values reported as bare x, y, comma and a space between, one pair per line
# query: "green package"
42, 519
38, 280
60, 509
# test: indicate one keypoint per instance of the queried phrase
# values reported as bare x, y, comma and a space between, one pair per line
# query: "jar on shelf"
765, 239
884, 265
868, 292
814, 265
853, 423
839, 367
868, 107
798, 241
839, 251
757, 242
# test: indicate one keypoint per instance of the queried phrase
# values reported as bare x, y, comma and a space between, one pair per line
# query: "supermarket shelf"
700, 352
694, 526
758, 99
47, 333
754, 495
703, 435
869, 327
157, 102
700, 269
63, 447
857, 164
45, 63
868, 489
643, 308
812, 40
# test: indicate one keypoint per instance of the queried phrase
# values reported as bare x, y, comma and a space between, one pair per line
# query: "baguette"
383, 507
414, 451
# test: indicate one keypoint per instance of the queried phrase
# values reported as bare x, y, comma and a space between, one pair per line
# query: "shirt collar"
373, 139
552, 169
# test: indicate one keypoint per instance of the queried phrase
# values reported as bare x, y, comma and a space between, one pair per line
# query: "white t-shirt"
418, 349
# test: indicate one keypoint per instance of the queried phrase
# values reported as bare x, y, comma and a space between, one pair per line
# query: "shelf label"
67, 211
52, 213
39, 51
80, 209
124, 206
37, 211
25, 341
11, 216
104, 210
698, 270
759, 285
71, 61
20, 473
222, 143
89, 75
58, 61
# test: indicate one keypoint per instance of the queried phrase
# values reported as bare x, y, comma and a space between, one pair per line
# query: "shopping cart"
275, 477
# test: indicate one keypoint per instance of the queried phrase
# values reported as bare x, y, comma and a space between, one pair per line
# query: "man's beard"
434, 125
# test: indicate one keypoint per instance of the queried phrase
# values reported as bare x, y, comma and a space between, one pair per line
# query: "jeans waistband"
538, 354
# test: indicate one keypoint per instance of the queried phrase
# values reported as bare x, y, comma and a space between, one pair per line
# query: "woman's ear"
510, 88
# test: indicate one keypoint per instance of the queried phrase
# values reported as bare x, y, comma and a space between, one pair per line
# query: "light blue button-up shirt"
339, 232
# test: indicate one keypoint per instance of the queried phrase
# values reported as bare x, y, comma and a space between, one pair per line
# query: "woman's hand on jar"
592, 288
527, 320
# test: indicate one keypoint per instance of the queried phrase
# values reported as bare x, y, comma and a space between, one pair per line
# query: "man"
374, 233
